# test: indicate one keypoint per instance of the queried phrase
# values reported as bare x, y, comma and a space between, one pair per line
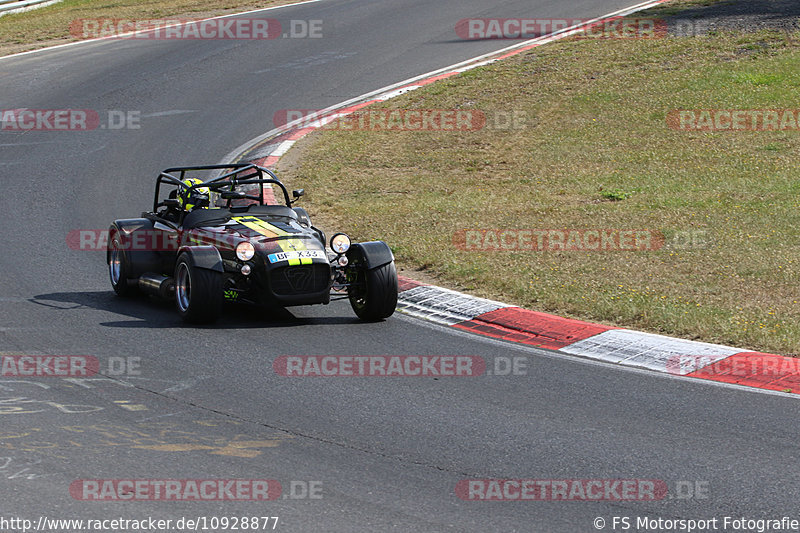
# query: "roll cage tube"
227, 179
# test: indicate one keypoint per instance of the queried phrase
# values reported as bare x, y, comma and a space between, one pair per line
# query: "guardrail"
12, 5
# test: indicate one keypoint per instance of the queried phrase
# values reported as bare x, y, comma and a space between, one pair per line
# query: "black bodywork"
197, 249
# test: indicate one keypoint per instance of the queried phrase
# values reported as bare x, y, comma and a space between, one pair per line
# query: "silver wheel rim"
183, 287
360, 298
115, 264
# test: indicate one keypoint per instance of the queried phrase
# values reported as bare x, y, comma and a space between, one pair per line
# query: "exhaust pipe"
157, 285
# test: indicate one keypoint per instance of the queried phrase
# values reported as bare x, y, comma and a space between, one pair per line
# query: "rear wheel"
118, 267
374, 297
198, 291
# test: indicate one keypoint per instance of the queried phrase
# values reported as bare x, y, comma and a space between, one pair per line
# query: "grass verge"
596, 152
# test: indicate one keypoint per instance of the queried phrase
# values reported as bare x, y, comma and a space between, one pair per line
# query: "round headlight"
340, 243
245, 251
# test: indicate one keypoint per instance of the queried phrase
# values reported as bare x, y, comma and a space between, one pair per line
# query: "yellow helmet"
197, 198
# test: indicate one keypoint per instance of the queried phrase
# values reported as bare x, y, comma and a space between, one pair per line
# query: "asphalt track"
207, 404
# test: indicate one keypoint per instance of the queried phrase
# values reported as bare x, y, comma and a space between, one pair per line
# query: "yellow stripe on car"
268, 230
264, 228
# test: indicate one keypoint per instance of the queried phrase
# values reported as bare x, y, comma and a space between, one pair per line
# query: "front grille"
302, 279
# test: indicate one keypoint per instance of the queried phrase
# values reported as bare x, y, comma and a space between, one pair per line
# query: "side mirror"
297, 193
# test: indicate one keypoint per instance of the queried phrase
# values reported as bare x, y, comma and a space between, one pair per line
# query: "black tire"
376, 299
118, 267
198, 291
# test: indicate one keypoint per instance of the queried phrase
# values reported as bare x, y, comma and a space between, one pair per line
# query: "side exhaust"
157, 285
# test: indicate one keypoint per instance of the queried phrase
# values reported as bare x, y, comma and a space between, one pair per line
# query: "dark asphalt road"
207, 403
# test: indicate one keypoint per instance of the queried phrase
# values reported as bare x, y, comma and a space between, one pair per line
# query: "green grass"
596, 152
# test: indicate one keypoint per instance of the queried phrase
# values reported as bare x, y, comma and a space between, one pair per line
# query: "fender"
375, 253
302, 216
140, 261
206, 257
305, 220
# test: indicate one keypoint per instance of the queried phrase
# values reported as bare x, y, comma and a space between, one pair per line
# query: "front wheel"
198, 291
375, 297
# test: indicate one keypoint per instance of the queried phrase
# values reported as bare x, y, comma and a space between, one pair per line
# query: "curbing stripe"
530, 327
404, 284
443, 305
646, 350
755, 369
624, 347
282, 148
394, 94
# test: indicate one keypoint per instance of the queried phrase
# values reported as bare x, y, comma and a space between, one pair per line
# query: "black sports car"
226, 239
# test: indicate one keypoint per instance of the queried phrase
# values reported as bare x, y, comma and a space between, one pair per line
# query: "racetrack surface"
207, 404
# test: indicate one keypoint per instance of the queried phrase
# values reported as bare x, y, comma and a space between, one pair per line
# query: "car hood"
267, 235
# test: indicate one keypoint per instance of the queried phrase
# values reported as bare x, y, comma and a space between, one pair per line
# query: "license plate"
301, 254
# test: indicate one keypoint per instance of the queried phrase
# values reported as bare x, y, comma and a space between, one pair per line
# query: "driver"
191, 199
